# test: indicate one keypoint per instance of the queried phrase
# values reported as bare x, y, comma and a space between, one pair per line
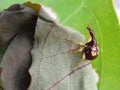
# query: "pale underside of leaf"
53, 66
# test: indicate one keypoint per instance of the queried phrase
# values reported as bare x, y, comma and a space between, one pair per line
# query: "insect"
89, 50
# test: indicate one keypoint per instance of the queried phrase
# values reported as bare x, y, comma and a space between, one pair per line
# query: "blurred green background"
100, 15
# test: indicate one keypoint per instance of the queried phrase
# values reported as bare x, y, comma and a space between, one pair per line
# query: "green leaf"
101, 16
53, 64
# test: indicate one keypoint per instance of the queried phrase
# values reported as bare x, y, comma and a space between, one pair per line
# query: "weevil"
89, 50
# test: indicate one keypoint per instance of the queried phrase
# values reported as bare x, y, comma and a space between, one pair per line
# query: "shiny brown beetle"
89, 50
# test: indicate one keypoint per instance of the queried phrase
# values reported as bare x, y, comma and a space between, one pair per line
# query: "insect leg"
79, 61
76, 42
77, 50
